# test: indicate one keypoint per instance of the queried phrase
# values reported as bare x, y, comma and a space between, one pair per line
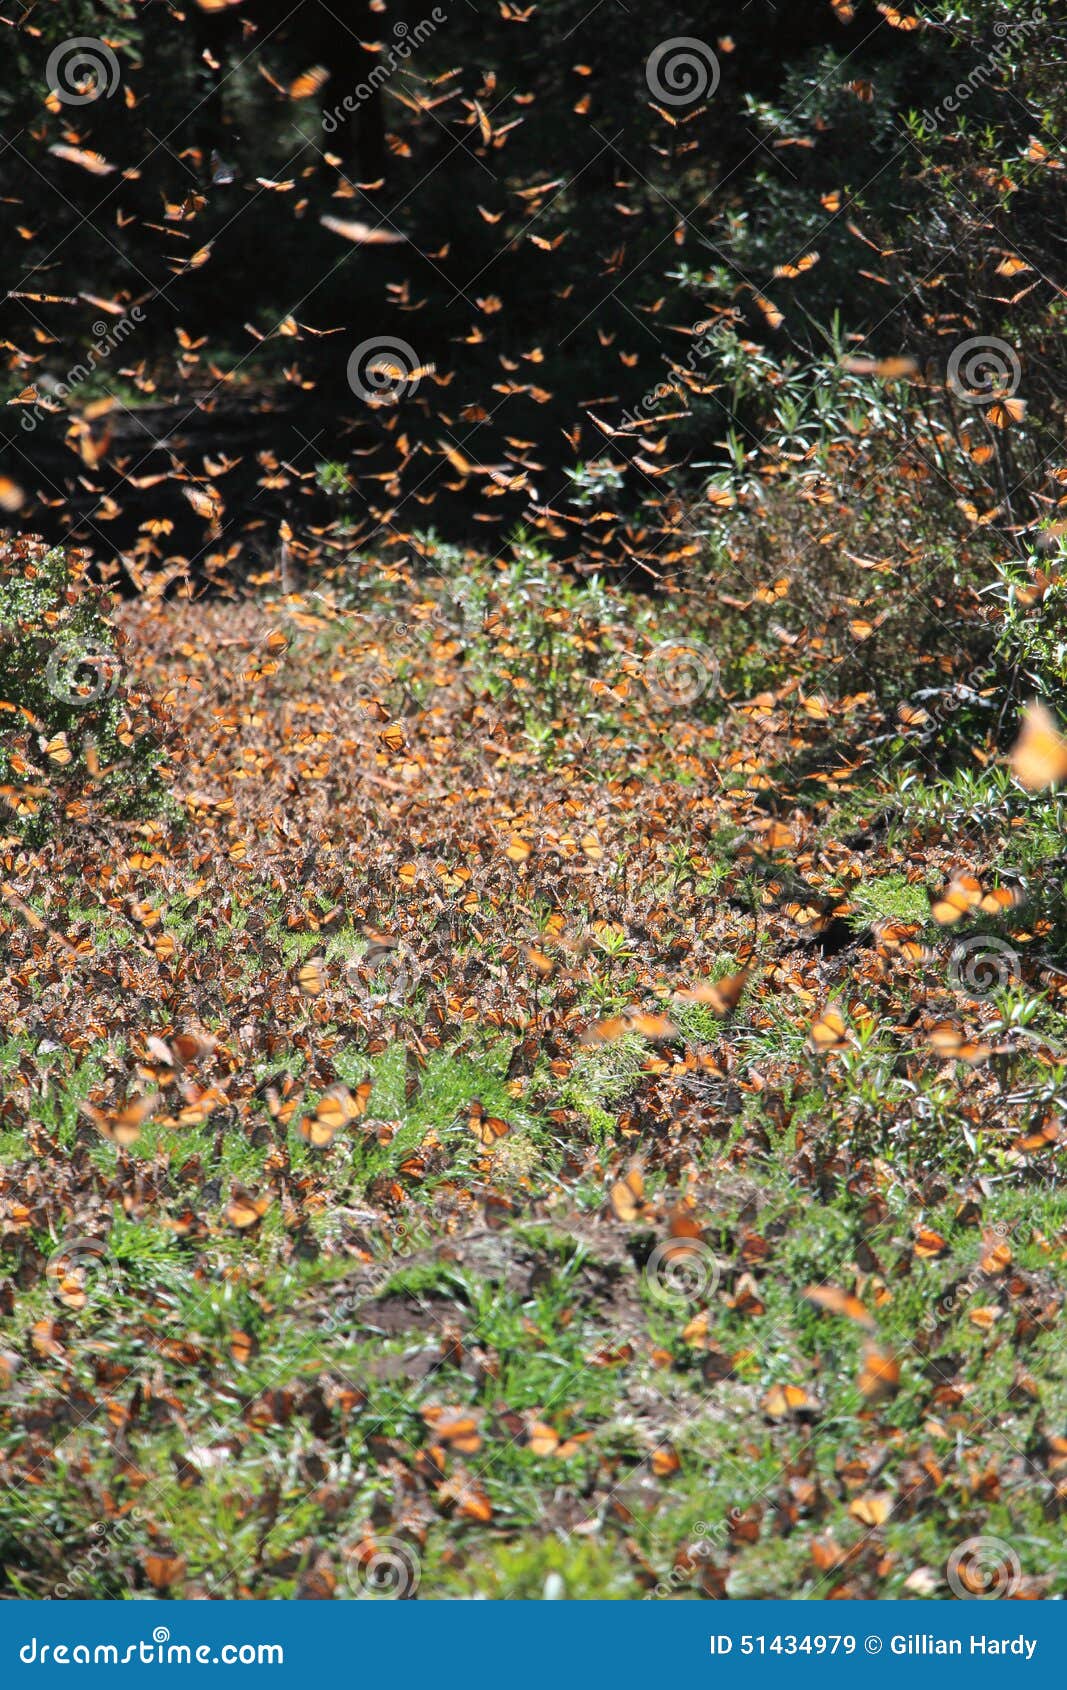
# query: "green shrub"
75, 738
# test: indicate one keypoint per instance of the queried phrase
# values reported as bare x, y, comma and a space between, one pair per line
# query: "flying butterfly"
94, 163
123, 1126
244, 1210
879, 1376
952, 1044
771, 314
835, 1301
963, 893
308, 83
906, 21
311, 976
628, 1196
798, 266
721, 996
361, 234
1004, 411
487, 1129
828, 1033
899, 939
1039, 755
334, 1110
886, 369
783, 1400
614, 1026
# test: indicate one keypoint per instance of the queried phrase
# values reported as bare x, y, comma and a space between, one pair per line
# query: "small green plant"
333, 479
72, 729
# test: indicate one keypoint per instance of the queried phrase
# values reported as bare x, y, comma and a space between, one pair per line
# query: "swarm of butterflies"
437, 430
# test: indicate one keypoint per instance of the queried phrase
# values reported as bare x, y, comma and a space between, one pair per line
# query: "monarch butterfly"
361, 234
190, 1047
123, 1126
1002, 412
807, 262
1039, 756
828, 1032
487, 1129
311, 976
879, 1376
899, 937
94, 163
162, 1571
648, 1026
1011, 265
962, 893
886, 369
628, 1195
721, 996
545, 1440
835, 1301
1040, 1139
771, 314
244, 1211
393, 738
454, 1426
786, 1399
950, 1042
900, 20
928, 1243
333, 1111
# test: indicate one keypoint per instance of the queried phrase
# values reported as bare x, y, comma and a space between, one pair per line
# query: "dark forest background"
555, 242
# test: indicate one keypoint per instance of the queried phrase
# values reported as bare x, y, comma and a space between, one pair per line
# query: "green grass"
890, 898
265, 1390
